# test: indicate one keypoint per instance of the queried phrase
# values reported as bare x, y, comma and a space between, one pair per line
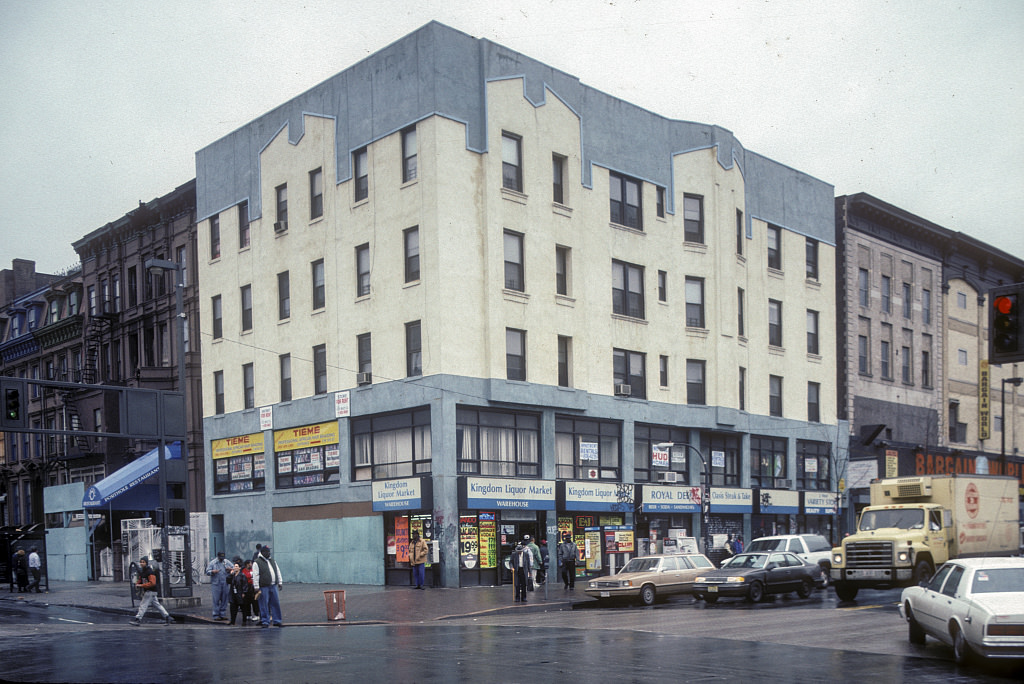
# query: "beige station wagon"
651, 577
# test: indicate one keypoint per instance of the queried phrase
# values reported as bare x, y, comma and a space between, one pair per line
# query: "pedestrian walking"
147, 584
418, 551
218, 570
535, 553
35, 568
266, 578
566, 556
542, 574
522, 562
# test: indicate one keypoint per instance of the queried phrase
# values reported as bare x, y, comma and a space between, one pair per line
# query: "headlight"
837, 558
737, 579
592, 585
903, 556
701, 579
626, 583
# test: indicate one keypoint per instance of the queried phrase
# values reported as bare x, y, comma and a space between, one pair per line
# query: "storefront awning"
124, 489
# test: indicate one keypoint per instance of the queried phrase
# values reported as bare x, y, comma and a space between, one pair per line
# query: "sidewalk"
304, 604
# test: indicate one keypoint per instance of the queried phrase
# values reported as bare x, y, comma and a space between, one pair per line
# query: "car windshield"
996, 580
767, 545
902, 518
746, 560
641, 565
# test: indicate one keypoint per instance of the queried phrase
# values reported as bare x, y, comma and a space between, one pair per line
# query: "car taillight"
1006, 630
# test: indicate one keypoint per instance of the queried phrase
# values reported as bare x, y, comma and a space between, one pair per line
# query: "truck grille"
869, 554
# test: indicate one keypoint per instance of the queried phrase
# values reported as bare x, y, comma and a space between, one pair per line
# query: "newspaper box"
335, 601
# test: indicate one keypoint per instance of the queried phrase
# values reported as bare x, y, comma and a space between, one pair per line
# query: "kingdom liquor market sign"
532, 495
598, 496
390, 495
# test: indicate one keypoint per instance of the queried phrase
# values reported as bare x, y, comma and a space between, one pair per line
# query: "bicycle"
177, 573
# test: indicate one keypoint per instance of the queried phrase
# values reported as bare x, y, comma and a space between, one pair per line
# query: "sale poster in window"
401, 539
488, 541
469, 543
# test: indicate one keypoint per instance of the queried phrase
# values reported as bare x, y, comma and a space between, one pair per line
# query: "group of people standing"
529, 563
239, 584
25, 567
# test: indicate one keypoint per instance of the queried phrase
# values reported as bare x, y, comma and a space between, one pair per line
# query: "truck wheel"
647, 595
845, 592
915, 633
923, 572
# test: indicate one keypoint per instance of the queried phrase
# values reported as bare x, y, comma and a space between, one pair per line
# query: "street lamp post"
1002, 450
705, 499
155, 266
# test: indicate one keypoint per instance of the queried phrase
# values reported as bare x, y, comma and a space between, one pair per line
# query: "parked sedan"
975, 605
650, 577
752, 575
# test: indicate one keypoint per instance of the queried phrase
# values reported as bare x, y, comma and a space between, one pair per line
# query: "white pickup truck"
813, 548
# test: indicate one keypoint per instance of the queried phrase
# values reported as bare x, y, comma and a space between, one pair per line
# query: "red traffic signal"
1005, 334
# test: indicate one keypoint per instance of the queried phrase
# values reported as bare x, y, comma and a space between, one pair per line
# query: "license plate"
605, 594
872, 574
713, 589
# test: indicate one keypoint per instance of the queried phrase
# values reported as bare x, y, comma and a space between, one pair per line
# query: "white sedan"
975, 605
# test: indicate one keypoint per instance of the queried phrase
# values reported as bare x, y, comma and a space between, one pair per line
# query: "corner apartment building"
40, 339
915, 382
455, 290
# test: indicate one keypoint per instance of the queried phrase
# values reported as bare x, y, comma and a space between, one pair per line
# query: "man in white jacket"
266, 577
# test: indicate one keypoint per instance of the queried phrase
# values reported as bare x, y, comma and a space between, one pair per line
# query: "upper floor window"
663, 371
961, 300
132, 286
413, 350
587, 449
218, 320
363, 270
412, 254
281, 192
775, 395
812, 332
739, 232
926, 307
243, 225
629, 368
515, 354
740, 304
564, 361
659, 202
812, 259
215, 237
695, 302
284, 362
863, 287
693, 219
391, 445
248, 386
814, 402
361, 175
409, 154
511, 162
774, 247
627, 289
908, 303
320, 369
774, 323
218, 392
813, 465
886, 294
562, 264
284, 297
514, 261
319, 288
862, 355
364, 349
695, 384
662, 286
558, 163
493, 443
626, 208
316, 193
246, 297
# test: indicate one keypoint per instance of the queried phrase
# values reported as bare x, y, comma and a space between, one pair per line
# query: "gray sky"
104, 104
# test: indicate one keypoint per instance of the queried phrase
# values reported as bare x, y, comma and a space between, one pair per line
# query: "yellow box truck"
915, 524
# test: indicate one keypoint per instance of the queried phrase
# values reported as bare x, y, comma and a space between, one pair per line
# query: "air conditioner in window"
364, 378
623, 390
280, 226
669, 476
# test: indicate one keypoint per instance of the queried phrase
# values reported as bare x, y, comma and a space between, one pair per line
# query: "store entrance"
510, 532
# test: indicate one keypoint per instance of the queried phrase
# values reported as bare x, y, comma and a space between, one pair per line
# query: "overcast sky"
919, 103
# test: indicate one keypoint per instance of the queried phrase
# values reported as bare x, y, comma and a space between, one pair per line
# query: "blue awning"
124, 488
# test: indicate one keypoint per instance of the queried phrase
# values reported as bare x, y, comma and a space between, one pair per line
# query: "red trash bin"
335, 601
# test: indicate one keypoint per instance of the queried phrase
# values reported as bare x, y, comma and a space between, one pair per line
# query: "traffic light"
13, 393
1005, 336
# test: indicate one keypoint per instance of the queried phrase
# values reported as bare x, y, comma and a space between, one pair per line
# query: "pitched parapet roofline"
439, 71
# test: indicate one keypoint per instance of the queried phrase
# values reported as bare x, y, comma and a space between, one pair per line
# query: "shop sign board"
391, 495
820, 503
731, 500
494, 492
306, 436
780, 501
236, 446
598, 496
669, 499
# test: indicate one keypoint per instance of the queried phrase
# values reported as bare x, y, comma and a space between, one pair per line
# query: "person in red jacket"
147, 585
